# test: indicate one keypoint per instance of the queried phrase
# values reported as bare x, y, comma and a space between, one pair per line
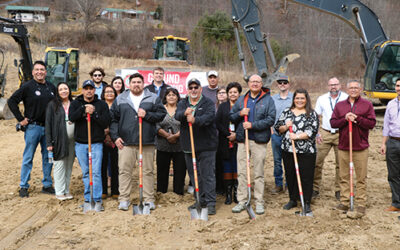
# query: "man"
88, 103
200, 112
259, 107
391, 147
211, 90
35, 94
158, 86
97, 74
124, 130
282, 100
328, 137
361, 113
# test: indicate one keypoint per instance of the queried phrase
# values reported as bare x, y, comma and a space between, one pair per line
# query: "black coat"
222, 122
162, 90
56, 130
204, 129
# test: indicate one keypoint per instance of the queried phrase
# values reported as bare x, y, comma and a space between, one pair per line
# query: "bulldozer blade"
5, 112
141, 209
199, 213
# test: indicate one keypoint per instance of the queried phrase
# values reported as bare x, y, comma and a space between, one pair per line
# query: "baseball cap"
193, 80
212, 73
88, 83
283, 78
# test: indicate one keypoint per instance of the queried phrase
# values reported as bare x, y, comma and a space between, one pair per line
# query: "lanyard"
337, 99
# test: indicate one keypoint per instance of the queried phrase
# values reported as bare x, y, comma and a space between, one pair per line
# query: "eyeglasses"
97, 75
255, 81
221, 93
282, 82
194, 87
333, 85
109, 92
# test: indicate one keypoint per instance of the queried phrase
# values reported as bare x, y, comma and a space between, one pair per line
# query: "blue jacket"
264, 118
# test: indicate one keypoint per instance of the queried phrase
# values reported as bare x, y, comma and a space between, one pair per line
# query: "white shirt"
325, 105
136, 100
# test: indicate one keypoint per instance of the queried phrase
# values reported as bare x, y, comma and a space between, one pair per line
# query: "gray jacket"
125, 121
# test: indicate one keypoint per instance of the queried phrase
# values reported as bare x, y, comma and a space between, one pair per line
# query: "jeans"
276, 142
82, 153
34, 135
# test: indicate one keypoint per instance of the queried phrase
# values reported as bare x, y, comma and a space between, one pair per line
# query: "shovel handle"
89, 148
351, 164
296, 164
196, 182
246, 133
140, 153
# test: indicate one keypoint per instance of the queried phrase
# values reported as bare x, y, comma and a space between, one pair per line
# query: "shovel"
197, 213
351, 165
296, 165
90, 206
141, 209
249, 209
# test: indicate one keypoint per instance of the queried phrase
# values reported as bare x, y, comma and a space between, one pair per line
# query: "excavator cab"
63, 66
382, 72
170, 48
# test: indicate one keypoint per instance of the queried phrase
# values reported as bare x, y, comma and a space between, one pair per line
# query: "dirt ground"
42, 222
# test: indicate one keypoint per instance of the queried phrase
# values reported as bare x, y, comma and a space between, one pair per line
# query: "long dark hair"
309, 108
57, 102
122, 80
173, 90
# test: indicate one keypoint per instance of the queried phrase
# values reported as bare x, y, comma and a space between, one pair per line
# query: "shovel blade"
250, 212
140, 209
199, 214
89, 206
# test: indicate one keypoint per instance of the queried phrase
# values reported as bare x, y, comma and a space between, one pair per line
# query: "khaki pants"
127, 158
258, 151
329, 141
360, 160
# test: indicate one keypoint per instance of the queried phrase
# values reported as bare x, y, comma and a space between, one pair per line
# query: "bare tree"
89, 9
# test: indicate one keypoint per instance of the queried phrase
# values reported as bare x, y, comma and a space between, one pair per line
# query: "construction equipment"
66, 60
170, 48
381, 55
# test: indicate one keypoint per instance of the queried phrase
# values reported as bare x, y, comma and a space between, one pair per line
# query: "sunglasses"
97, 75
194, 87
282, 82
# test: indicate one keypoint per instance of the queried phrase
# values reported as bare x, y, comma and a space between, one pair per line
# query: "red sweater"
365, 121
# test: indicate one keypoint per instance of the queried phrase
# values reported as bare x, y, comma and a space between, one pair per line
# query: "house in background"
28, 14
117, 14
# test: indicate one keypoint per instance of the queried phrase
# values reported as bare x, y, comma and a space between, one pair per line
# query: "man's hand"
172, 139
383, 149
24, 122
119, 142
244, 112
190, 119
319, 139
247, 125
232, 136
351, 117
89, 108
141, 112
188, 111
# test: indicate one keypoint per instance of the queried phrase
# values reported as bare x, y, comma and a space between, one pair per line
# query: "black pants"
110, 155
219, 173
393, 166
163, 163
306, 166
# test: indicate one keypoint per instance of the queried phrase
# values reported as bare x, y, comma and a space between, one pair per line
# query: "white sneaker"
238, 208
260, 209
151, 205
190, 189
124, 205
69, 196
61, 197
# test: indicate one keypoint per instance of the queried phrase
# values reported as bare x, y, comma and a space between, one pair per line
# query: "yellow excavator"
62, 63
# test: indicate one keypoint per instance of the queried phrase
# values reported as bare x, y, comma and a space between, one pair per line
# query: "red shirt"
365, 121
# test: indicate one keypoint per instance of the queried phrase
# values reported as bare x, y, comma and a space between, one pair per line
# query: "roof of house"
27, 8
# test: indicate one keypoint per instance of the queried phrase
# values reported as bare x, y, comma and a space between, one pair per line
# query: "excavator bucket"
282, 68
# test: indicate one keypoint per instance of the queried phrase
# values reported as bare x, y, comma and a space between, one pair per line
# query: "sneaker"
190, 189
23, 192
291, 204
260, 209
151, 204
211, 209
342, 207
238, 208
277, 190
48, 190
124, 205
337, 195
98, 206
315, 194
392, 209
61, 197
69, 196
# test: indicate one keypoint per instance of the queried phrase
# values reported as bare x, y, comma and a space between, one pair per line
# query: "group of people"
219, 118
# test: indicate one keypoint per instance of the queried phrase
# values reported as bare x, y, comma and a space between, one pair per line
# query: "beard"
336, 92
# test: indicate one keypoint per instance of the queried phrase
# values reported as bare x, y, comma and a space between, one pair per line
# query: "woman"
118, 84
60, 140
168, 146
304, 122
110, 151
227, 148
221, 97
219, 173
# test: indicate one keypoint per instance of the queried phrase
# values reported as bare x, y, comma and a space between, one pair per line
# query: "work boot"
23, 192
211, 209
228, 191
48, 190
291, 204
235, 187
193, 206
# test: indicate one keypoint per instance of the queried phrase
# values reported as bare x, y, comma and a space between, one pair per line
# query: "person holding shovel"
124, 130
89, 103
360, 113
258, 107
198, 111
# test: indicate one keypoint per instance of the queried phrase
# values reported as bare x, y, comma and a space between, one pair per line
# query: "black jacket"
162, 90
56, 131
125, 122
222, 121
204, 129
100, 119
